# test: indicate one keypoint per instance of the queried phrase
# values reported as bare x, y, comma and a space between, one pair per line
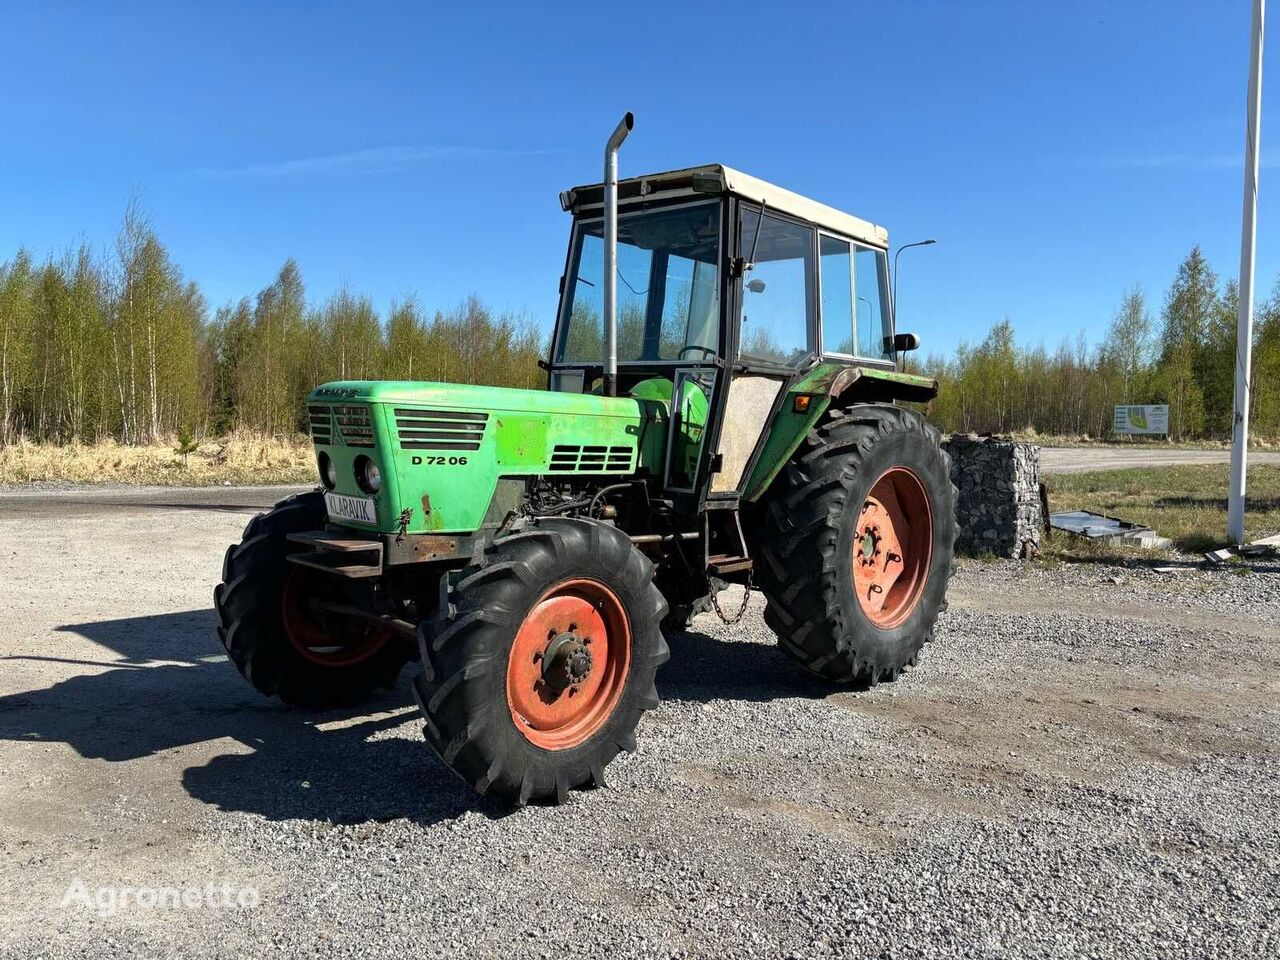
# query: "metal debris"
1095, 526
1257, 549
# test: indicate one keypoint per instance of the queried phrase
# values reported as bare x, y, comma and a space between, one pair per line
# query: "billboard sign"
1151, 418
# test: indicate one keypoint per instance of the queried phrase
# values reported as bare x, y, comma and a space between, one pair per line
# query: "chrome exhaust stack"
611, 254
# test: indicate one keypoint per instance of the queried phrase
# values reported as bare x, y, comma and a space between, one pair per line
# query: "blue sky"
1059, 152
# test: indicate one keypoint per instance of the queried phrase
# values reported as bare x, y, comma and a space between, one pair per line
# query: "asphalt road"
54, 502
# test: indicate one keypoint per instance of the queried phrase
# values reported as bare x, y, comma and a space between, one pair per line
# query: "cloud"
376, 160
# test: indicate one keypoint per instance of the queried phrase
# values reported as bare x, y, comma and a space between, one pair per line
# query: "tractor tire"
276, 640
857, 546
540, 659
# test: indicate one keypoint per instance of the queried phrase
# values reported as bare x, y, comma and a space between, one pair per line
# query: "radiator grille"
321, 424
567, 458
354, 425
440, 429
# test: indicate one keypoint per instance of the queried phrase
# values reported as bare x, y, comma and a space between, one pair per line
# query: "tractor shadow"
704, 668
163, 684
170, 686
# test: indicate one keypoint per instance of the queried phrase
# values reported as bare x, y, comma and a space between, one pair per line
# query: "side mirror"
756, 286
903, 342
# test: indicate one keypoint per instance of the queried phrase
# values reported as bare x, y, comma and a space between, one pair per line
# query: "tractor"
723, 406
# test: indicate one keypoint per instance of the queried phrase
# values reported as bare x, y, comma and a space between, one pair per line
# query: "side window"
775, 298
836, 264
871, 301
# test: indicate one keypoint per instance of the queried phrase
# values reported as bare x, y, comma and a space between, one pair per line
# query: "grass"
240, 458
1187, 503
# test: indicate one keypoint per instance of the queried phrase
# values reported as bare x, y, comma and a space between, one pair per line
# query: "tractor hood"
449, 455
466, 397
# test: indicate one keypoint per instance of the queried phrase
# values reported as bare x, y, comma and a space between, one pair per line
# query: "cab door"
691, 397
687, 317
776, 332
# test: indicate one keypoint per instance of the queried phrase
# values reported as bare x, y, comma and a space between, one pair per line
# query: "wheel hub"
566, 662
870, 545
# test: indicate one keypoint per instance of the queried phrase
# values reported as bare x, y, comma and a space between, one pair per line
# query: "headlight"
328, 471
368, 476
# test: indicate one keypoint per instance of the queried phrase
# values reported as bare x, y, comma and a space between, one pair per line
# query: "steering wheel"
711, 354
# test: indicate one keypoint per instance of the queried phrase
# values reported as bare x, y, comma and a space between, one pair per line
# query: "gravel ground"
1084, 764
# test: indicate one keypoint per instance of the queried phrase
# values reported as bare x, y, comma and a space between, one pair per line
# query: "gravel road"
1085, 459
1085, 764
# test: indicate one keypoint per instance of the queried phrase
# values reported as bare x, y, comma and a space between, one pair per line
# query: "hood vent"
440, 429
567, 458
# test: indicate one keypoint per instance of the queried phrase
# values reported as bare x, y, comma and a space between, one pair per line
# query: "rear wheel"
277, 623
541, 659
858, 542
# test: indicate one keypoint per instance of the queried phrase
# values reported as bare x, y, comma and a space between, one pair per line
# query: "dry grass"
1187, 503
238, 459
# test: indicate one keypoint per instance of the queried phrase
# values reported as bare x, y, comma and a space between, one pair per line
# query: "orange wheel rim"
312, 632
568, 664
892, 547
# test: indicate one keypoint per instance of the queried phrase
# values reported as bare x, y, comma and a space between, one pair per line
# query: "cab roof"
717, 178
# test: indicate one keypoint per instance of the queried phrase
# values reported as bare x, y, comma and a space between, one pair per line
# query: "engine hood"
462, 396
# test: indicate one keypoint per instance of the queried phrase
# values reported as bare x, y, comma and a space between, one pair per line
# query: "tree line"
124, 346
1183, 356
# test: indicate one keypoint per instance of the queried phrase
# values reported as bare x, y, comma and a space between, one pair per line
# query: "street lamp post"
905, 246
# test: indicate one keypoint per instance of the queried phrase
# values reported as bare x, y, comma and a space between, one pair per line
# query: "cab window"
775, 292
836, 264
668, 288
871, 301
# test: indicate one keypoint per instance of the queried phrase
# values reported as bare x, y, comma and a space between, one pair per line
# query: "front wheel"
858, 542
541, 659
277, 621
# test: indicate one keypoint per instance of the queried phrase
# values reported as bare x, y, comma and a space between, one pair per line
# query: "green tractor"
721, 408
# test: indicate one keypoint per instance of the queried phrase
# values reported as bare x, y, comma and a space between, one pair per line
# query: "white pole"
1248, 245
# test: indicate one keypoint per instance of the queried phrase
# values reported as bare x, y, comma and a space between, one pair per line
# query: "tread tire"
807, 545
248, 604
465, 648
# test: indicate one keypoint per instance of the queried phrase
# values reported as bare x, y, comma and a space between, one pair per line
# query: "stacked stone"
998, 506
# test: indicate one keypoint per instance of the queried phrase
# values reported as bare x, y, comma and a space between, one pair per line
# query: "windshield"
668, 288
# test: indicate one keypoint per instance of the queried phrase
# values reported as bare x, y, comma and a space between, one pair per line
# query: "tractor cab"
737, 302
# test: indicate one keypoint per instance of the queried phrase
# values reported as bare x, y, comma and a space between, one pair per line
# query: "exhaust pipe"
611, 254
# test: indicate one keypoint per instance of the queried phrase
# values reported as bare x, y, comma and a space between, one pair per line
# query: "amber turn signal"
801, 403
